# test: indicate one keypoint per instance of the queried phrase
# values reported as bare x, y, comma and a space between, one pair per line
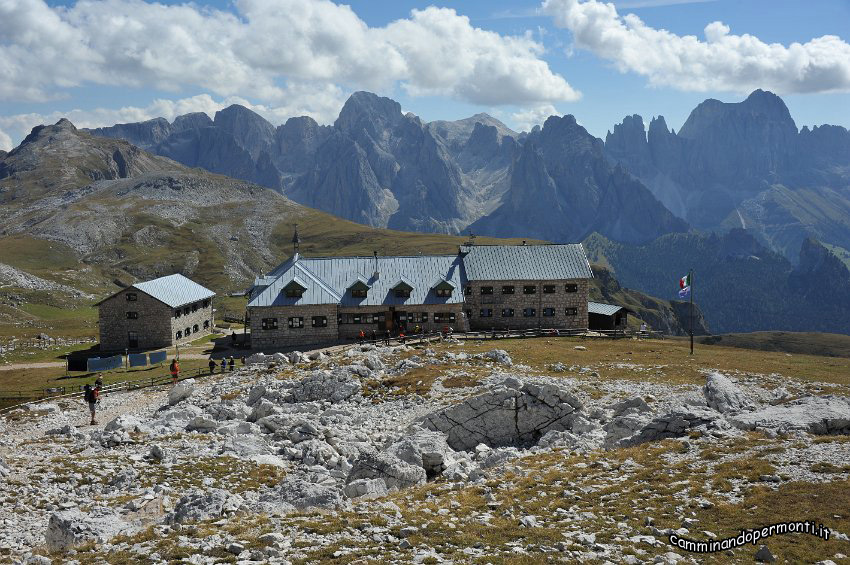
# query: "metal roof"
174, 290
604, 309
328, 280
526, 262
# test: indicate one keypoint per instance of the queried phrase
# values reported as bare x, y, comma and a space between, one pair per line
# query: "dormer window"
402, 288
359, 288
443, 288
294, 289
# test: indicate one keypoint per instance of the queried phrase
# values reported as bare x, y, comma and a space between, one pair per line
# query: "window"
486, 313
548, 312
206, 324
486, 290
132, 315
320, 321
418, 317
296, 322
467, 290
269, 323
529, 312
444, 292
572, 311
132, 340
132, 297
402, 293
548, 289
507, 312
358, 292
571, 287
187, 332
508, 289
195, 328
444, 317
177, 313
179, 335
294, 292
529, 289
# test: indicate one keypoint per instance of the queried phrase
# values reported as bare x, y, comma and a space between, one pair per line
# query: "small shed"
606, 316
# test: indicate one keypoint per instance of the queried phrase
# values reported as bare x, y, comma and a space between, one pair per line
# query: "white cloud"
5, 141
265, 44
526, 118
723, 61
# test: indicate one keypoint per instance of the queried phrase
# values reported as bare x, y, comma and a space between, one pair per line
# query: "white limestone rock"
5, 470
374, 363
675, 423
200, 505
822, 415
262, 409
427, 449
366, 489
257, 359
506, 416
499, 356
70, 528
201, 424
181, 391
126, 423
320, 385
301, 493
372, 464
723, 395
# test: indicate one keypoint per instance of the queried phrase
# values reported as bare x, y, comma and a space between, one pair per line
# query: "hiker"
374, 337
98, 383
416, 329
175, 371
91, 396
361, 336
387, 339
232, 363
401, 337
232, 337
244, 361
212, 365
223, 365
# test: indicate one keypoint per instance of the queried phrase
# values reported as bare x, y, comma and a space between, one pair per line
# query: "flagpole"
691, 293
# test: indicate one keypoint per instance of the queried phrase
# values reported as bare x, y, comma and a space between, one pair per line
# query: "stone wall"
152, 325
559, 300
413, 318
283, 335
198, 316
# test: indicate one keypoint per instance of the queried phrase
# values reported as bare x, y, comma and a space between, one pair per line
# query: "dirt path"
44, 365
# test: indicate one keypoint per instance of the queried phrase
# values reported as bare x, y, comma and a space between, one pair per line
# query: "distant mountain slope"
563, 189
745, 165
739, 285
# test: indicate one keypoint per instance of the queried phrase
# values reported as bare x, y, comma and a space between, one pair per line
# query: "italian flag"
685, 281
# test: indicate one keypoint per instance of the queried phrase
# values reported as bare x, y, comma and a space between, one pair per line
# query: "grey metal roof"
174, 290
328, 279
526, 262
604, 309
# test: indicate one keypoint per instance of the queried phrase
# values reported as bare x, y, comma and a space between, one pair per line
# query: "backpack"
89, 394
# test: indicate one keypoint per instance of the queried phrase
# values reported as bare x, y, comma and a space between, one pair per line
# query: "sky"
101, 62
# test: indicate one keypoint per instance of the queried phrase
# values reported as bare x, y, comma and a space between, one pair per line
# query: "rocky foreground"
298, 459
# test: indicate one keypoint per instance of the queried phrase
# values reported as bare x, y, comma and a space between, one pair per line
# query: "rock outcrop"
827, 415
723, 395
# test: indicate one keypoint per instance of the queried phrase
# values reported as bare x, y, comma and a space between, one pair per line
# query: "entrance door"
400, 320
133, 340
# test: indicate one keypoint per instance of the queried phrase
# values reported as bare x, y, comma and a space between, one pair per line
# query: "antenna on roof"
296, 240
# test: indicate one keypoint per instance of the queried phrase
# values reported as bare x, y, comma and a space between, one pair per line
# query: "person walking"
91, 396
361, 336
175, 371
387, 339
212, 365
98, 383
233, 338
401, 337
223, 365
374, 337
232, 364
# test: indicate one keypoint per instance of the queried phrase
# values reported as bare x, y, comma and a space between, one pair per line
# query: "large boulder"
202, 424
372, 464
506, 416
499, 356
301, 493
723, 395
70, 528
127, 423
208, 504
366, 488
181, 391
823, 415
262, 409
334, 387
676, 423
426, 449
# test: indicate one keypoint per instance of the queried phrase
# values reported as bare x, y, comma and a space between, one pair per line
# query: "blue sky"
101, 62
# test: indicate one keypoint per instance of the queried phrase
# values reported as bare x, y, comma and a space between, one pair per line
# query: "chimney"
376, 275
523, 242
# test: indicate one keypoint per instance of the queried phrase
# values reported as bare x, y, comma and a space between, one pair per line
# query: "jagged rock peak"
760, 106
658, 125
363, 107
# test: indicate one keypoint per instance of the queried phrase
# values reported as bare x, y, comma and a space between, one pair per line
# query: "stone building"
158, 313
309, 300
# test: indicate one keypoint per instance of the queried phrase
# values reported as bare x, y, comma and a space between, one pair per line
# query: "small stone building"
158, 313
310, 300
606, 316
